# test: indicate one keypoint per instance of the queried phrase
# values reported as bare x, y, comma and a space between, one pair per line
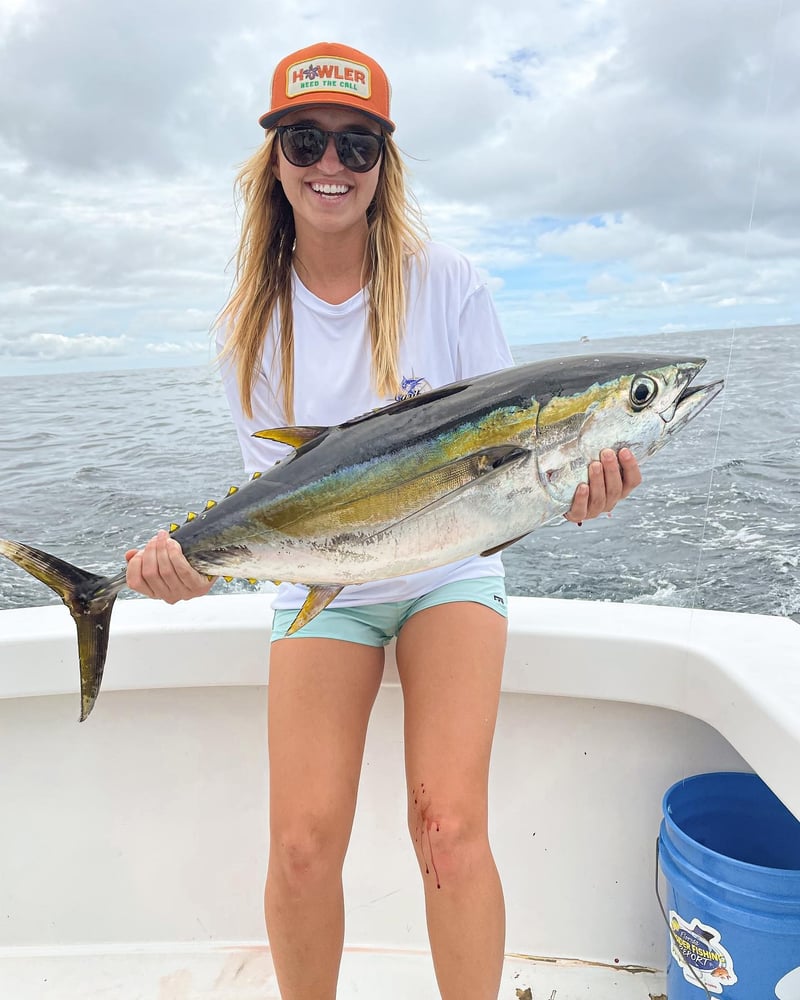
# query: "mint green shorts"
378, 624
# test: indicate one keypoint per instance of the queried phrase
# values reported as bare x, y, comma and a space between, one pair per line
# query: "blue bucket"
729, 851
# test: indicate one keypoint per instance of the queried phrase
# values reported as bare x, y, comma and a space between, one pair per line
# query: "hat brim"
271, 118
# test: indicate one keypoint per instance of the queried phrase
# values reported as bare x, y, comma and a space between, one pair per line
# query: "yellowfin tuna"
463, 470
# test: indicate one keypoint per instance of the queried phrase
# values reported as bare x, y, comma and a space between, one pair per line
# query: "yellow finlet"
191, 516
173, 527
210, 504
256, 475
232, 490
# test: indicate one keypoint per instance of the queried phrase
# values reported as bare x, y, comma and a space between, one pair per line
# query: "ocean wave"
713, 525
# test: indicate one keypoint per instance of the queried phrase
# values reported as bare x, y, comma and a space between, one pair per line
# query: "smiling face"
327, 199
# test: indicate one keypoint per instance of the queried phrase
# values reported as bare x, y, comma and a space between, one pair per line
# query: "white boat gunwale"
738, 673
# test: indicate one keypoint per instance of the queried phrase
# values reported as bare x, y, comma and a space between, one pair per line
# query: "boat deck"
245, 972
149, 822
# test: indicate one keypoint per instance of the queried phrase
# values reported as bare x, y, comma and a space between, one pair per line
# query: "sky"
614, 167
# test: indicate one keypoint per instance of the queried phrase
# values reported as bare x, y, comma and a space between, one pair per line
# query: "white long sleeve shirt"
452, 333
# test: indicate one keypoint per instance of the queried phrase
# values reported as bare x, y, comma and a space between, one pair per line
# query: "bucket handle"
672, 935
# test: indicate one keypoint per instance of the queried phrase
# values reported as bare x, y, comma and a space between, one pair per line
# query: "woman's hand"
160, 570
610, 480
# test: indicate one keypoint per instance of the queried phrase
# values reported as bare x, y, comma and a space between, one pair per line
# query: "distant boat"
584, 340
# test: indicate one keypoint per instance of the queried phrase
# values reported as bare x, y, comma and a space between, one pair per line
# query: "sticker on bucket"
789, 987
698, 951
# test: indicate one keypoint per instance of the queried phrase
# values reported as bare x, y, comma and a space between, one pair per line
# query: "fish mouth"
692, 399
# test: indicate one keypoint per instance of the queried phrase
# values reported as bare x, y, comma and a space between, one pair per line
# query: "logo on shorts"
499, 599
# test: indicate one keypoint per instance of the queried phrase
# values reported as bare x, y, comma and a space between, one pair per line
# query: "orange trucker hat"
329, 73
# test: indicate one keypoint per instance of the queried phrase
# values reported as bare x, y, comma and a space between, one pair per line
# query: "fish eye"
643, 391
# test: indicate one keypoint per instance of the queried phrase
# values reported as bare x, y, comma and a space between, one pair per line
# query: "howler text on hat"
329, 73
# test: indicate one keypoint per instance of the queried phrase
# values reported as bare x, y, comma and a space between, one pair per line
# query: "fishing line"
748, 235
715, 453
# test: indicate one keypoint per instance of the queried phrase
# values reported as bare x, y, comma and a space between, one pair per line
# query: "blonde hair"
263, 278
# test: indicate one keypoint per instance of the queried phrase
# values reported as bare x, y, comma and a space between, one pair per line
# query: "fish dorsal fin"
295, 437
318, 599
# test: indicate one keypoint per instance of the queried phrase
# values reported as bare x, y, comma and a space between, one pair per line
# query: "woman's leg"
321, 692
450, 659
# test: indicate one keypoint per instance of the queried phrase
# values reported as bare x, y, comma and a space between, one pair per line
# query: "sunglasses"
304, 145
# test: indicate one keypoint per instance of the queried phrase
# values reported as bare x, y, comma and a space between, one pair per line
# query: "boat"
133, 846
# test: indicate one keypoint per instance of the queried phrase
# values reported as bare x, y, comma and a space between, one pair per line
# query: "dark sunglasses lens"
358, 151
303, 146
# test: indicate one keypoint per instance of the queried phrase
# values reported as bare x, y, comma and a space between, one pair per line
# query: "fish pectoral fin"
373, 510
503, 545
317, 600
453, 476
295, 437
446, 481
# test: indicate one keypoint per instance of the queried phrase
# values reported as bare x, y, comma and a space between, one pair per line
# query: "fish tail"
90, 599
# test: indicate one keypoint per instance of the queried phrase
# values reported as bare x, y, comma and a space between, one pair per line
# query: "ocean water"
93, 464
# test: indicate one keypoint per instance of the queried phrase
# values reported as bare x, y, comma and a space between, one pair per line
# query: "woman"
342, 305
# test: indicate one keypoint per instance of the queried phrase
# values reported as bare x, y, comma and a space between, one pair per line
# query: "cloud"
58, 347
601, 161
603, 239
627, 133
86, 85
187, 349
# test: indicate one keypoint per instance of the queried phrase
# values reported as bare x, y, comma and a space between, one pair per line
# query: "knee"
306, 855
451, 843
